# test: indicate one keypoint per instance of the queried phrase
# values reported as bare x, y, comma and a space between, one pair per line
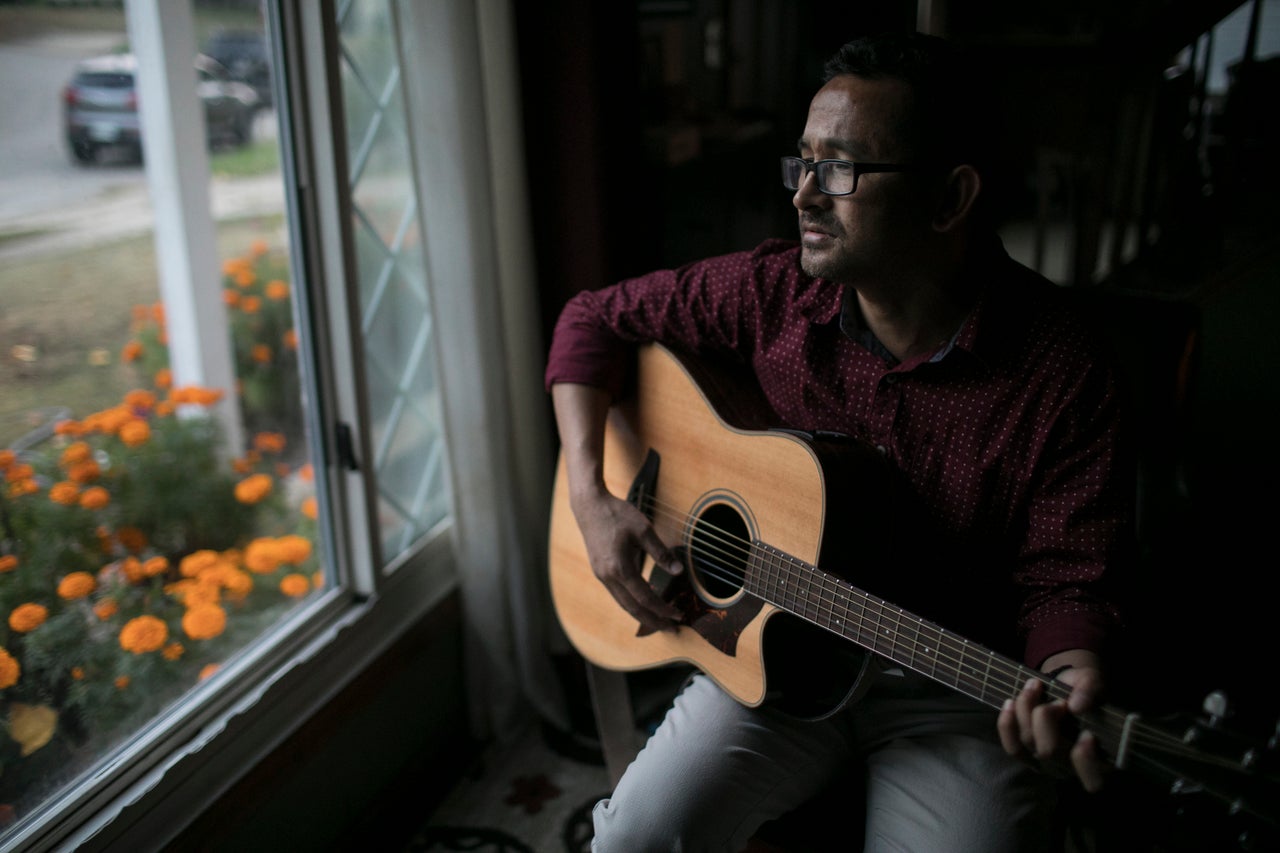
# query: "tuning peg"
1217, 706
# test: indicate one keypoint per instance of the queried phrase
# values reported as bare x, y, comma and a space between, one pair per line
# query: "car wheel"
83, 152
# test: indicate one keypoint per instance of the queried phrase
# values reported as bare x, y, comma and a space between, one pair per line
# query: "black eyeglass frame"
859, 169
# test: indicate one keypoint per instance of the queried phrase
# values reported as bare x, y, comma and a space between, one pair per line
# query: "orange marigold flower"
269, 442
277, 290
253, 489
68, 428
242, 465
230, 297
262, 557
289, 339
109, 421
238, 584
317, 580
295, 585
28, 617
192, 564
251, 304
157, 312
10, 669
122, 681
208, 670
84, 472
7, 458
75, 453
204, 621
20, 471
132, 538
23, 487
77, 672
163, 379
173, 651
140, 399
8, 562
155, 566
105, 609
143, 634
95, 497
132, 569
245, 277
76, 585
311, 508
65, 493
258, 248
231, 266
282, 470
293, 548
135, 432
131, 352
195, 395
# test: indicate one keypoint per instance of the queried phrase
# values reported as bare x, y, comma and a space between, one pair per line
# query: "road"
47, 202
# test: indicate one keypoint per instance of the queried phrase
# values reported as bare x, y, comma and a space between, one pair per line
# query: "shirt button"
881, 449
891, 379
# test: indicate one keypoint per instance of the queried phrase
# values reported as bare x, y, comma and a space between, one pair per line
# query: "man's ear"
959, 194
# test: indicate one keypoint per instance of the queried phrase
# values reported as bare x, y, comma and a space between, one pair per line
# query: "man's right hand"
616, 534
618, 537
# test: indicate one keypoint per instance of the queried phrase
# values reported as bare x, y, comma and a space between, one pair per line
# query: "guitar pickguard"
719, 626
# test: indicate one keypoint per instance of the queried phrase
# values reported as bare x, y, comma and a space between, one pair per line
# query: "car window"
106, 80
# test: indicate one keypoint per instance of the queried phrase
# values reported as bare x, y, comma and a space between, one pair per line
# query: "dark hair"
950, 119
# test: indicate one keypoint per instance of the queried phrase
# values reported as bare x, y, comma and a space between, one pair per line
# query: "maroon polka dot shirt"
1008, 434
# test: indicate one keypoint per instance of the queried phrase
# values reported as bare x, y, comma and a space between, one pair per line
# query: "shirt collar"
824, 301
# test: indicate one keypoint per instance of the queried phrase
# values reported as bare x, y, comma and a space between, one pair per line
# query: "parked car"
100, 105
244, 54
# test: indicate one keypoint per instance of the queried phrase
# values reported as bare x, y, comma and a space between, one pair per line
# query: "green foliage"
136, 553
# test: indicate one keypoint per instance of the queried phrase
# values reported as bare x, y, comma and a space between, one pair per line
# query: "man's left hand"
1031, 727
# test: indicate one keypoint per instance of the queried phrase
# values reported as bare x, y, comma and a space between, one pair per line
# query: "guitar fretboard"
883, 628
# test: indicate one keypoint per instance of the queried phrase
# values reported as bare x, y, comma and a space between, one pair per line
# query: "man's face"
883, 223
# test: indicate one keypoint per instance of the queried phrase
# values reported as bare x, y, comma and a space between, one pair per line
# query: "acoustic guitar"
760, 517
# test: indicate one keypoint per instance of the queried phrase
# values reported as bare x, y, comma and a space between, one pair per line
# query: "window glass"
395, 321
139, 551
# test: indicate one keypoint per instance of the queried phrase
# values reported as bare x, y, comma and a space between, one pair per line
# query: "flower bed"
134, 559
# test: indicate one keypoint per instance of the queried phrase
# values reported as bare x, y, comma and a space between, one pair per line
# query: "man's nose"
807, 194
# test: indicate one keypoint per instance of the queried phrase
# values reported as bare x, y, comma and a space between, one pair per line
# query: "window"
198, 488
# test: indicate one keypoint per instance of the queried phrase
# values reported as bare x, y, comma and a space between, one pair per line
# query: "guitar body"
743, 484
754, 513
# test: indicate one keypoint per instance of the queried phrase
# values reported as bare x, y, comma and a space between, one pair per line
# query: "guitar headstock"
1221, 781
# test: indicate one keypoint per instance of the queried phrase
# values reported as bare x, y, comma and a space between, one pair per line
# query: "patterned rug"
534, 795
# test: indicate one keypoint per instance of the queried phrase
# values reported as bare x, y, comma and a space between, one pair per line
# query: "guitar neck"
827, 601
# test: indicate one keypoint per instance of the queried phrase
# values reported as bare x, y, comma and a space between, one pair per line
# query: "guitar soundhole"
718, 548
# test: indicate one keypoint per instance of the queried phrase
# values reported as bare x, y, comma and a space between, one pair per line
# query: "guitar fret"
875, 624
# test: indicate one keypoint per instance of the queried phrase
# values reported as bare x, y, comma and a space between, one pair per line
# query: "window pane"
396, 319
138, 551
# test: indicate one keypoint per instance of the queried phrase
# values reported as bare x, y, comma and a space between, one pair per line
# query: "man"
900, 320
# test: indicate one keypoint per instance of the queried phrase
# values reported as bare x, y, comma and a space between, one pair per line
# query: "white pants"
936, 776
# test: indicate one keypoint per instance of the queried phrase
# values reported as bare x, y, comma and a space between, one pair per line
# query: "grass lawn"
66, 317
32, 19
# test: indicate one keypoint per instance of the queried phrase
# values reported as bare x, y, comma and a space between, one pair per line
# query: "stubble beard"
829, 265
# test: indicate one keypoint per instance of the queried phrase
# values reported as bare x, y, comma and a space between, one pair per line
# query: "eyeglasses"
835, 177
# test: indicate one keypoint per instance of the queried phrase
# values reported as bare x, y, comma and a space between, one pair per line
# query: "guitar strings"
1008, 677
